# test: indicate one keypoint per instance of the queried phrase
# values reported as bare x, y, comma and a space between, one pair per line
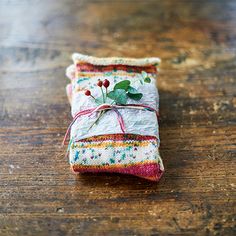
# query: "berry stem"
103, 97
93, 97
96, 121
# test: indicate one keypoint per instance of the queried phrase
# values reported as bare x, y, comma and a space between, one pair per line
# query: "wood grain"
197, 43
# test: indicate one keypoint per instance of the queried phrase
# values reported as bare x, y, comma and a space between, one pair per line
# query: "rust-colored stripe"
83, 67
119, 137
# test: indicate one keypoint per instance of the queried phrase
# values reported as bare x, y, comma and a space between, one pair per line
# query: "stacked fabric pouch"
105, 147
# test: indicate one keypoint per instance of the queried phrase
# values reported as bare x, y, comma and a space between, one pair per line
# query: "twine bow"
104, 107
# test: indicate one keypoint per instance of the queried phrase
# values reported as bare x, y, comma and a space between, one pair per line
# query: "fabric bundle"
114, 105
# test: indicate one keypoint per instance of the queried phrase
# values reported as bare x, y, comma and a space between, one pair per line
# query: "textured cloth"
104, 148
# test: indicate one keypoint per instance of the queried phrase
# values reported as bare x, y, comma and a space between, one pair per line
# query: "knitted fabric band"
126, 138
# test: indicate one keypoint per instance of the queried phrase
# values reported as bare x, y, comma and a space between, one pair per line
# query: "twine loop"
112, 107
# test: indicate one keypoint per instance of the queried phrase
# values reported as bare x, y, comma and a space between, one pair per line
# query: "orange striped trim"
119, 137
113, 144
111, 166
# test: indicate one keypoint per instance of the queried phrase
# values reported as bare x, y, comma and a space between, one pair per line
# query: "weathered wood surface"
197, 43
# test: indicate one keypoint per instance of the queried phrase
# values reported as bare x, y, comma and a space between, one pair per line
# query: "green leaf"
124, 84
136, 96
132, 90
145, 76
118, 95
99, 100
147, 80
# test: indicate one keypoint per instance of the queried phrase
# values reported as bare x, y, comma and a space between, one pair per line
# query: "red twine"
104, 107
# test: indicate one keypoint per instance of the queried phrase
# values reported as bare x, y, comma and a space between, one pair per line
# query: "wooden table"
197, 43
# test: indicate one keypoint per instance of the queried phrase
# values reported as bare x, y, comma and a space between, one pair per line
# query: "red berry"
99, 83
106, 83
87, 93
